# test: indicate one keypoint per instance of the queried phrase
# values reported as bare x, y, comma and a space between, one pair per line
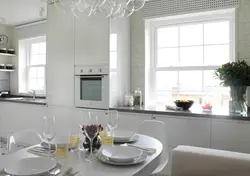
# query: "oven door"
92, 91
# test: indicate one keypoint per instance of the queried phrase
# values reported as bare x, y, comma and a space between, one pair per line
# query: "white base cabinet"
231, 135
132, 121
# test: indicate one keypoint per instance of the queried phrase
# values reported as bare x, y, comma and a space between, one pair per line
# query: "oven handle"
91, 76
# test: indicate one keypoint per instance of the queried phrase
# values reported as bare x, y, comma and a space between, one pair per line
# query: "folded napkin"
174, 108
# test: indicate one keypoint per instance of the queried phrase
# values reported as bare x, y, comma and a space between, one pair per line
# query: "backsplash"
4, 81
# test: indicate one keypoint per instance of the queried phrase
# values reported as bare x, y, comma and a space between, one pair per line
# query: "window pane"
191, 56
166, 80
38, 59
168, 37
113, 60
191, 35
190, 81
32, 83
40, 72
33, 72
216, 55
40, 84
113, 42
209, 80
167, 57
42, 48
216, 33
35, 48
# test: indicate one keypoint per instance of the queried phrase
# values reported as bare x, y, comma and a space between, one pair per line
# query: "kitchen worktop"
193, 112
24, 99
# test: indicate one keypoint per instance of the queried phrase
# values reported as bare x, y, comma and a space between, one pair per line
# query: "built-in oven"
92, 87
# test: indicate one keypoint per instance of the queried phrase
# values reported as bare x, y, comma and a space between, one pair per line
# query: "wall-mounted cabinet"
92, 41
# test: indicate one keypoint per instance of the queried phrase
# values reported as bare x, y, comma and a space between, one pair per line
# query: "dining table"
76, 160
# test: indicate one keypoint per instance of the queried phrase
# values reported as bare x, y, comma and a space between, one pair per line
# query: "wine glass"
91, 130
49, 131
113, 121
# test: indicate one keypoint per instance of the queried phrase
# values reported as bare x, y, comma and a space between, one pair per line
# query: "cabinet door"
60, 58
132, 121
186, 130
231, 135
92, 41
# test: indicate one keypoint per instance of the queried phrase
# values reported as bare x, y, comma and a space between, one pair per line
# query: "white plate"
106, 160
30, 166
123, 135
121, 153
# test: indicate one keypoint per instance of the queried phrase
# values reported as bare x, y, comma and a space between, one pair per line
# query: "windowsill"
194, 112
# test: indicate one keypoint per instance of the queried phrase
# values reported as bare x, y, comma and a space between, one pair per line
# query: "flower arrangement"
234, 74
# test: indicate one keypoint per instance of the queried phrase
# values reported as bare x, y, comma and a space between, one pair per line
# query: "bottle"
138, 97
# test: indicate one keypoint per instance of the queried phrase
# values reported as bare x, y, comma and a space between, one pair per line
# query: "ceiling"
17, 12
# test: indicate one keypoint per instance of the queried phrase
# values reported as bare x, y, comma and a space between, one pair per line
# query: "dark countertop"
193, 112
24, 99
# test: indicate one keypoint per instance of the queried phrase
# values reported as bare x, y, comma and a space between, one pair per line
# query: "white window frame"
28, 43
197, 18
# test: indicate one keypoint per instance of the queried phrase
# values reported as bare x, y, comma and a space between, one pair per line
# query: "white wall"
30, 31
138, 42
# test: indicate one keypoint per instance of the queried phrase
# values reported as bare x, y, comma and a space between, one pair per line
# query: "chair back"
21, 139
157, 129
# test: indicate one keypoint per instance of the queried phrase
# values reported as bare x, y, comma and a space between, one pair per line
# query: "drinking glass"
49, 131
113, 121
91, 130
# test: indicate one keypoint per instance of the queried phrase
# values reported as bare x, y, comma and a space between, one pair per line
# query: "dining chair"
157, 129
22, 139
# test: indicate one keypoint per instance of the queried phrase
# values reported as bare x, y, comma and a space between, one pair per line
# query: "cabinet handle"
153, 118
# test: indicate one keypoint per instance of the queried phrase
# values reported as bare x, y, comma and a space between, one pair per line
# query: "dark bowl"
184, 105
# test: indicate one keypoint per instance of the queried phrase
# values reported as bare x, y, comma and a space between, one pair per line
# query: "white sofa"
195, 161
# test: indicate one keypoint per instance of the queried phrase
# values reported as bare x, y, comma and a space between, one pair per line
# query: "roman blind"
162, 8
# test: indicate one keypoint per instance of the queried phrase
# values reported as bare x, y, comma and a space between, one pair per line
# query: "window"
185, 52
32, 65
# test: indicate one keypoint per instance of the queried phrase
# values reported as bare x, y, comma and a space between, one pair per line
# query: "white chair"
157, 129
22, 139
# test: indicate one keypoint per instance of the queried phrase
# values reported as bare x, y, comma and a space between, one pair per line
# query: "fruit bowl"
184, 104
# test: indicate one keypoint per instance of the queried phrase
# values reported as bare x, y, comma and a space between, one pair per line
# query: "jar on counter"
128, 100
138, 97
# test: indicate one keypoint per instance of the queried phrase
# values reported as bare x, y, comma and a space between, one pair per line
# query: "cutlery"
73, 174
145, 149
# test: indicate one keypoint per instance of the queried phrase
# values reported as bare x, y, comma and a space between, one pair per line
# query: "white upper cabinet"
92, 41
60, 58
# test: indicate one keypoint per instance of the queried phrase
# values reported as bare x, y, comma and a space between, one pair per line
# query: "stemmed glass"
113, 121
91, 130
49, 131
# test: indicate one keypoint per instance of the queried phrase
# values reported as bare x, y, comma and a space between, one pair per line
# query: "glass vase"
238, 100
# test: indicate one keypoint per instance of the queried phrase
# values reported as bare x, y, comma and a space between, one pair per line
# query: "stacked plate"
31, 166
123, 136
121, 155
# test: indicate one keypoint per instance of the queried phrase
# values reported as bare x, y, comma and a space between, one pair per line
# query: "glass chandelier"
101, 8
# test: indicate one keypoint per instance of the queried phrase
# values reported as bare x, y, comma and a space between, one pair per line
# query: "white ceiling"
17, 12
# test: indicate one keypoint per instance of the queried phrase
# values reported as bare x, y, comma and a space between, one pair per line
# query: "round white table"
97, 168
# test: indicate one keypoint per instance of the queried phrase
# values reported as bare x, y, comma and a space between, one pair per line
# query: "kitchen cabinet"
16, 117
132, 121
186, 130
231, 135
60, 58
92, 41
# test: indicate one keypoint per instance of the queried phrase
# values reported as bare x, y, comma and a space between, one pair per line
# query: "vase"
238, 100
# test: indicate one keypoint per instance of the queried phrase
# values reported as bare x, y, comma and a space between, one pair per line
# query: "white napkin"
175, 108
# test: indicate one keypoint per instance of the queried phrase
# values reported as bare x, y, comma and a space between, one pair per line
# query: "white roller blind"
162, 8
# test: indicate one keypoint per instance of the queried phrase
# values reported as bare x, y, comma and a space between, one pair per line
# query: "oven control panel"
94, 70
